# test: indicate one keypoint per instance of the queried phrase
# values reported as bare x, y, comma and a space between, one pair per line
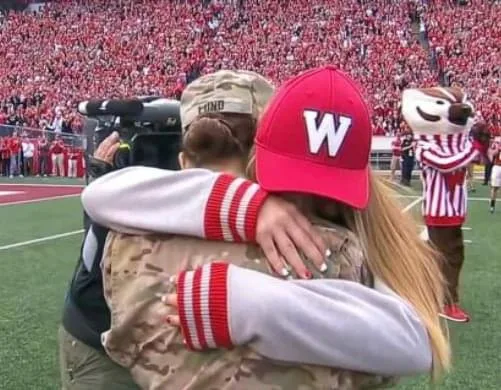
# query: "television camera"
149, 129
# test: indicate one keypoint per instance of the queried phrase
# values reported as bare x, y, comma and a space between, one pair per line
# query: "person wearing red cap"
313, 143
314, 138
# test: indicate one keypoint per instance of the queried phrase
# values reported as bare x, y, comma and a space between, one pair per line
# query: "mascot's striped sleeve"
444, 160
194, 202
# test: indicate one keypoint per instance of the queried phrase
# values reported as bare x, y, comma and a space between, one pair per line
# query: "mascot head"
435, 111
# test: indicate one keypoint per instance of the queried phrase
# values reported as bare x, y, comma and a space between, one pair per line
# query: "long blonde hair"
396, 255
407, 264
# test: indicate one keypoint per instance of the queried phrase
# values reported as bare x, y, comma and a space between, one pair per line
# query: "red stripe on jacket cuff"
197, 307
236, 203
252, 213
212, 219
218, 304
182, 310
215, 299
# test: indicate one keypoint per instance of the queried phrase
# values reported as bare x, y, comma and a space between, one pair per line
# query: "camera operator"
279, 228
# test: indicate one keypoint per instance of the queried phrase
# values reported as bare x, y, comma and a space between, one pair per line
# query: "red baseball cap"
315, 138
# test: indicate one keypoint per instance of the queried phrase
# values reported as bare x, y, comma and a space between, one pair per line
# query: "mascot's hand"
481, 135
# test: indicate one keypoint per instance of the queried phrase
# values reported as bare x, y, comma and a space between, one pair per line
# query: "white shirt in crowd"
28, 149
57, 125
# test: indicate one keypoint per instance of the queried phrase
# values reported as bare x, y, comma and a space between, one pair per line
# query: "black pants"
28, 166
43, 165
487, 172
407, 166
5, 167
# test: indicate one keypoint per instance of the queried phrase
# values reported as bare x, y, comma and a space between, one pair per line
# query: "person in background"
57, 151
396, 149
470, 173
488, 162
4, 157
72, 162
407, 159
28, 152
495, 155
43, 156
15, 155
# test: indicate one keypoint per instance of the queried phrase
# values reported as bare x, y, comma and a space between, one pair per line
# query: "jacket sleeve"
433, 157
194, 202
327, 322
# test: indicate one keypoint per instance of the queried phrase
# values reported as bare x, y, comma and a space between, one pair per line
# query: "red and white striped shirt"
444, 159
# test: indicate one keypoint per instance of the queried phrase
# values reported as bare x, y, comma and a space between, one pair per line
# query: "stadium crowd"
74, 50
467, 43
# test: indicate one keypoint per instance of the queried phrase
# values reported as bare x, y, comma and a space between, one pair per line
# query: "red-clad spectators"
75, 50
467, 40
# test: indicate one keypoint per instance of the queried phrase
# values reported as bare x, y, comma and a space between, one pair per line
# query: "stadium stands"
77, 49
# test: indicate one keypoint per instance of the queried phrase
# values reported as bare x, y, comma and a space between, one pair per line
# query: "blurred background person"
396, 150
73, 156
15, 155
495, 155
57, 152
43, 156
28, 153
407, 158
4, 157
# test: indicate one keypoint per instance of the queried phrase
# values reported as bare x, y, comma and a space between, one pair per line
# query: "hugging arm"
326, 322
194, 202
204, 204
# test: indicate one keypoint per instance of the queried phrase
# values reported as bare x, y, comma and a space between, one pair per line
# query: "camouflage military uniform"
136, 273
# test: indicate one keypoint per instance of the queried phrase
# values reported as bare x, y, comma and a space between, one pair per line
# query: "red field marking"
20, 193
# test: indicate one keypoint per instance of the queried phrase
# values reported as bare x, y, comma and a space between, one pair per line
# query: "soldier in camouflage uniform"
136, 269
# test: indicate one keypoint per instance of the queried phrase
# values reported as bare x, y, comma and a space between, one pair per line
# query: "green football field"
39, 245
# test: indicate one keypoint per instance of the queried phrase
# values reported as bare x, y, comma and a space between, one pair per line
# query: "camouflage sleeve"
192, 202
327, 322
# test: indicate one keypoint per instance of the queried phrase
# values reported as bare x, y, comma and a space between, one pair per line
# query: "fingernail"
164, 299
284, 272
323, 267
328, 253
168, 320
308, 275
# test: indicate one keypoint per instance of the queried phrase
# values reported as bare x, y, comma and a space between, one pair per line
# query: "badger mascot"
441, 120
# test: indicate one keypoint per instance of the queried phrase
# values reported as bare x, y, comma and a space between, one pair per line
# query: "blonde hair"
407, 264
396, 255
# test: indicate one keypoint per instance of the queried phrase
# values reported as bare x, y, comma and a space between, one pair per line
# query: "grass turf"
33, 280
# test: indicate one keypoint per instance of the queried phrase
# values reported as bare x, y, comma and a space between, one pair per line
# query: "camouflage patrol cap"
226, 91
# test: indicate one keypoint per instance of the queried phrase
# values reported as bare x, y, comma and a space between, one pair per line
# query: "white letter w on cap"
329, 128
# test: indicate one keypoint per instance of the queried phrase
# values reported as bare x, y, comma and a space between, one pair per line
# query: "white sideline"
41, 185
412, 204
75, 232
27, 201
419, 196
43, 239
